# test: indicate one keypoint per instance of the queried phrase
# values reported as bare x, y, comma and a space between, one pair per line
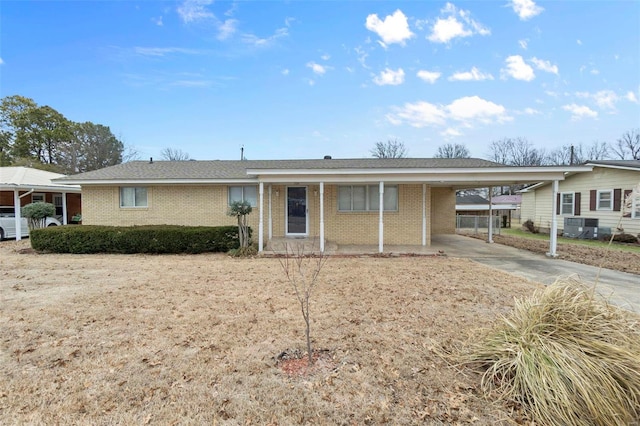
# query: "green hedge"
135, 239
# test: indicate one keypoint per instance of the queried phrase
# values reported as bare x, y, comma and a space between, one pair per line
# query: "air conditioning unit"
580, 227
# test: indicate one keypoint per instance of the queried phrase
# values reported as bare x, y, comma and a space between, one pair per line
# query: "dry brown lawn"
193, 339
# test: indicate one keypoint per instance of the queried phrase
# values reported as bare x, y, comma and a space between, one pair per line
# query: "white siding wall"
538, 206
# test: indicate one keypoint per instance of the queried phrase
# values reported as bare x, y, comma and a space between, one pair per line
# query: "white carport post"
381, 221
64, 209
553, 236
16, 209
270, 218
424, 214
261, 220
490, 236
321, 217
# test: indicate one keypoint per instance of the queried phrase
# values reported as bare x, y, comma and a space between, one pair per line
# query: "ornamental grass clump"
567, 356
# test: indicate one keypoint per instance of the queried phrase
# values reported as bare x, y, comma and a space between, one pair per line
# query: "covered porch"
313, 205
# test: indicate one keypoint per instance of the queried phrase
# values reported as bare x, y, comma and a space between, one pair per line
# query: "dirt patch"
617, 260
135, 339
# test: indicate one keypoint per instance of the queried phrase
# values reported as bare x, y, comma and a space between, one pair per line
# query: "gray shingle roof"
237, 169
635, 164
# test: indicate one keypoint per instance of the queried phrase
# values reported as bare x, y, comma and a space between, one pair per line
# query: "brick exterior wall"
207, 206
443, 215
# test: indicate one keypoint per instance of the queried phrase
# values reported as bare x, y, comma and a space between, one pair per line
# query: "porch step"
299, 245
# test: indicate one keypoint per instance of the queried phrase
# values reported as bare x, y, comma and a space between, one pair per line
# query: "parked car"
8, 223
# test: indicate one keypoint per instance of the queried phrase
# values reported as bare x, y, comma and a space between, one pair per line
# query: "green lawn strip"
563, 240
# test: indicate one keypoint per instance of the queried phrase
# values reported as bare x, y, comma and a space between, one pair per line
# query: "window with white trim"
604, 200
244, 193
566, 203
37, 197
635, 207
366, 198
133, 196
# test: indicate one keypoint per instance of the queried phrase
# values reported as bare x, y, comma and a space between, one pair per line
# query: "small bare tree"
302, 271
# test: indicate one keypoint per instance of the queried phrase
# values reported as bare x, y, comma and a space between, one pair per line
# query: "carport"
17, 184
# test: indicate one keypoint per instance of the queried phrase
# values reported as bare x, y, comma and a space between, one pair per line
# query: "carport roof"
458, 171
26, 178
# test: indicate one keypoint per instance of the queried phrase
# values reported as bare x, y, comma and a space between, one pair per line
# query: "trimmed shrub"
567, 356
37, 214
156, 239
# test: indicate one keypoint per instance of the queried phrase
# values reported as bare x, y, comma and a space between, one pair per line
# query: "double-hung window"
366, 198
248, 193
566, 203
604, 199
635, 207
133, 196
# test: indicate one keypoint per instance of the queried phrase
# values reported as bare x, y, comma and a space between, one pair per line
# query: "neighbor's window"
566, 205
133, 196
244, 193
37, 198
635, 207
605, 200
366, 198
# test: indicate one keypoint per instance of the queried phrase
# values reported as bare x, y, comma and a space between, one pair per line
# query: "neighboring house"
20, 186
505, 207
347, 201
598, 194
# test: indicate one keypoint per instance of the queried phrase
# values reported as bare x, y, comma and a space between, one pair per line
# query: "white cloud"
227, 29
467, 111
606, 99
157, 21
579, 112
523, 44
473, 75
457, 23
630, 96
317, 68
531, 111
285, 71
263, 42
429, 76
450, 133
473, 108
164, 51
594, 71
526, 9
362, 57
1, 61
325, 57
545, 65
394, 28
517, 68
419, 114
194, 10
579, 42
389, 77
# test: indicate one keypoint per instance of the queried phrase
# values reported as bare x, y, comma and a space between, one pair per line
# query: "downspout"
490, 236
321, 217
553, 237
381, 219
261, 221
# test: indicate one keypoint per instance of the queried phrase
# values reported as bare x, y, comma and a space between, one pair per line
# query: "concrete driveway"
621, 288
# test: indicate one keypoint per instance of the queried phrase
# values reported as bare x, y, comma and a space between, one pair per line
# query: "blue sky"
304, 79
